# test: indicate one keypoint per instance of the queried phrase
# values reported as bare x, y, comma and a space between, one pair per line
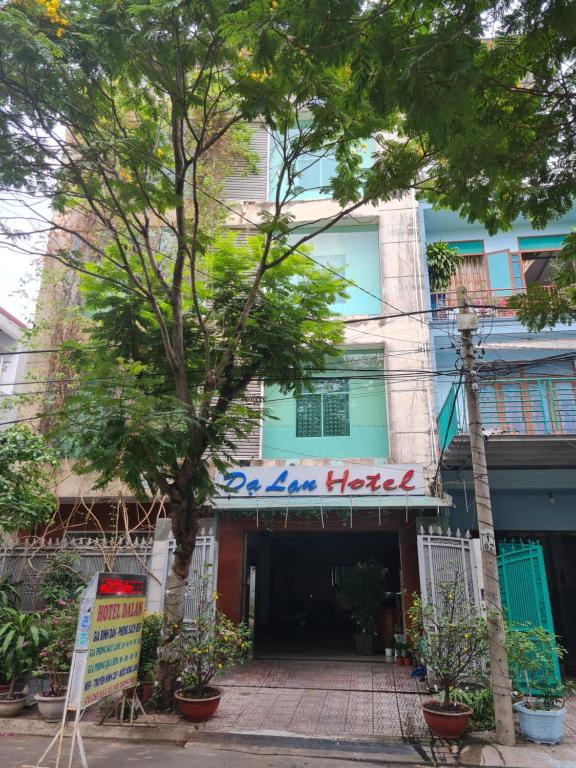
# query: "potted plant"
451, 640
9, 598
400, 652
443, 263
209, 644
532, 652
151, 629
365, 590
21, 638
55, 658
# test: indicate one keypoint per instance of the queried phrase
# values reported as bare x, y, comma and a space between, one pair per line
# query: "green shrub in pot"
532, 656
55, 658
365, 591
21, 638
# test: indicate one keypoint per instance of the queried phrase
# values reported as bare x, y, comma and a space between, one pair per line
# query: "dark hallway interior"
294, 588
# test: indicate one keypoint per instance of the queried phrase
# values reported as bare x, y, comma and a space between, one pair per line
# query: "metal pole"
499, 677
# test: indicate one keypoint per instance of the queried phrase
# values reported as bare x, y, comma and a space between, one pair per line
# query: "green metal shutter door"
525, 596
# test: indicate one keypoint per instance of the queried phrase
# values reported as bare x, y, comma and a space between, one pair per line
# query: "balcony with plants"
492, 277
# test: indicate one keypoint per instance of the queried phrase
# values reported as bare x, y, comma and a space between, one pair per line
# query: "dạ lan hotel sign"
341, 480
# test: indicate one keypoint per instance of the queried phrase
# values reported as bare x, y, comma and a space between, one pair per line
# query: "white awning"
330, 502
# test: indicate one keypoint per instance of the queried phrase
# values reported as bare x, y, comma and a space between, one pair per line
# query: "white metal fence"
25, 563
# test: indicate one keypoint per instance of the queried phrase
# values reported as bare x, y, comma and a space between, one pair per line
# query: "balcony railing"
522, 406
488, 302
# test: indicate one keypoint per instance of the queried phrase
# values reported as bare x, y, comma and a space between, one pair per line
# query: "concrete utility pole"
499, 677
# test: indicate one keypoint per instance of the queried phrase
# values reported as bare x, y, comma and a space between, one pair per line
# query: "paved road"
16, 751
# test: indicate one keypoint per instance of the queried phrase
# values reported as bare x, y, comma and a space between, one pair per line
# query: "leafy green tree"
27, 466
128, 118
484, 91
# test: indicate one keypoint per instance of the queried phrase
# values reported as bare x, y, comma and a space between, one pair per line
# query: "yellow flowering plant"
450, 637
207, 645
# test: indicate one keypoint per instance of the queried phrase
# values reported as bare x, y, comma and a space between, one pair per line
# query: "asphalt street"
18, 751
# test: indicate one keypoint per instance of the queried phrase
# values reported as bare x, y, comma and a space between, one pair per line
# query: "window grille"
324, 412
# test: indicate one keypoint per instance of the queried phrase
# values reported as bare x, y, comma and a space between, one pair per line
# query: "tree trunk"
184, 515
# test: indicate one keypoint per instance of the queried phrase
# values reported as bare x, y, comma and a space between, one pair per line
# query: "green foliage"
55, 658
60, 582
365, 590
531, 654
21, 639
26, 464
140, 431
9, 596
490, 117
208, 645
449, 637
151, 630
443, 262
481, 701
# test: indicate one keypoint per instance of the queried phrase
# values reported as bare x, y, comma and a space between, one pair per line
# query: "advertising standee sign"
108, 638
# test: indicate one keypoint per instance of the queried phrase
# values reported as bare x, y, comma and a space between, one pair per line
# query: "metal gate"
441, 555
526, 604
203, 563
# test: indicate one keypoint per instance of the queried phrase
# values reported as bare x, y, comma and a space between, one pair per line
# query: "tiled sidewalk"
330, 698
321, 698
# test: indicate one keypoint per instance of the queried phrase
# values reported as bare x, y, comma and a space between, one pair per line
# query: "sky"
19, 272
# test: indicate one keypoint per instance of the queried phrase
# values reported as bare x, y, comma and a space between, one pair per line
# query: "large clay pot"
446, 725
198, 710
12, 707
146, 692
50, 707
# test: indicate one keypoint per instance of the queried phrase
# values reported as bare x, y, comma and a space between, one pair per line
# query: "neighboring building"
12, 366
528, 404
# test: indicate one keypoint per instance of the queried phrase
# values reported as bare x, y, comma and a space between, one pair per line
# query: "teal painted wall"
368, 427
315, 170
352, 252
543, 242
514, 510
448, 226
